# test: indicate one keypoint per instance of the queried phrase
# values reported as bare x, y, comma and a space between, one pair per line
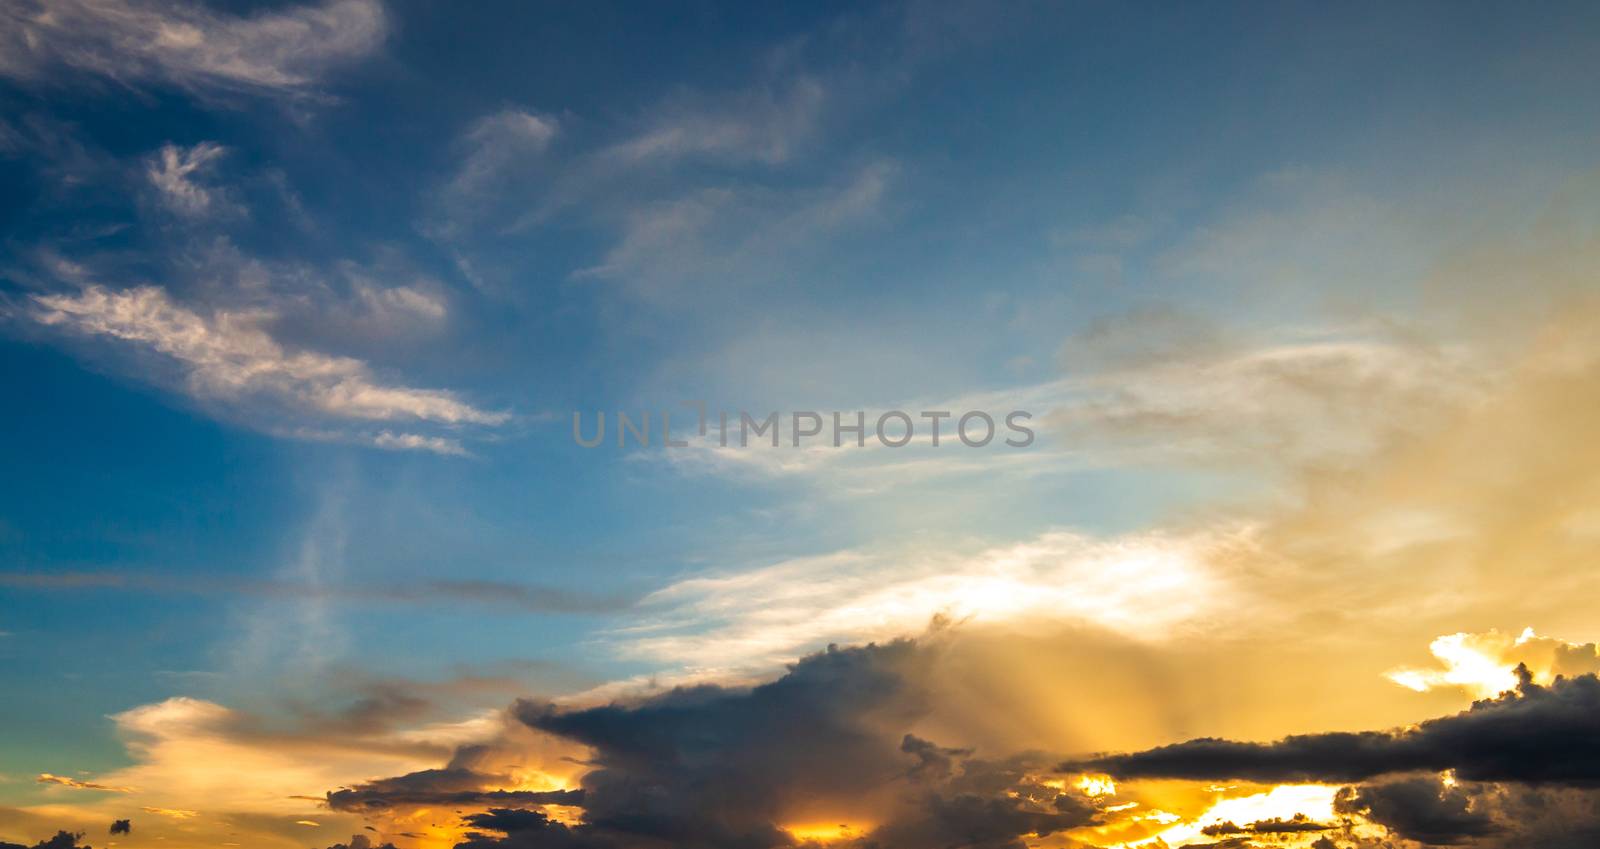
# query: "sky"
306, 308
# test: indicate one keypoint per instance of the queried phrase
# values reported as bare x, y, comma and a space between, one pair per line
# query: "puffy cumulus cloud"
228, 357
1533, 734
187, 44
1485, 664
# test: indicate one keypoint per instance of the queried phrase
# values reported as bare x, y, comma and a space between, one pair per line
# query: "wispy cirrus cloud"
714, 237
228, 357
1141, 587
174, 170
75, 784
186, 44
764, 123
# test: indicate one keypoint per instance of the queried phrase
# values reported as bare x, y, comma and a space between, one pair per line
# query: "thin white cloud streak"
186, 44
227, 354
714, 236
1145, 587
1291, 402
763, 124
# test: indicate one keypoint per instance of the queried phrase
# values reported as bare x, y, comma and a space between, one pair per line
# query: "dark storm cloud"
1535, 734
713, 767
1418, 808
1427, 810
448, 786
531, 829
717, 766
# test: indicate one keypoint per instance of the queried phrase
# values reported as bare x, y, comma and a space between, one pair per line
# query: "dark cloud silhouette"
361, 841
715, 767
1297, 824
1534, 734
932, 759
521, 828
61, 840
452, 785
1430, 811
121, 827
1419, 808
720, 767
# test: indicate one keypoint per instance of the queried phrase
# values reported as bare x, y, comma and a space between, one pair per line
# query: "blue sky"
295, 315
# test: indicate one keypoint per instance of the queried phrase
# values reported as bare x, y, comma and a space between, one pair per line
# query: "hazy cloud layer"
187, 44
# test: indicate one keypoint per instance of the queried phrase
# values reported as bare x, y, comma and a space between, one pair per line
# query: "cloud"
173, 171
502, 163
491, 594
171, 813
418, 442
762, 124
361, 841
1141, 586
451, 786
1485, 664
62, 840
186, 44
75, 784
1297, 824
257, 772
228, 357
734, 234
1535, 734
1150, 389
1418, 808
714, 766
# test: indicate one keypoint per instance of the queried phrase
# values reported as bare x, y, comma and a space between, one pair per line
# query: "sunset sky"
298, 302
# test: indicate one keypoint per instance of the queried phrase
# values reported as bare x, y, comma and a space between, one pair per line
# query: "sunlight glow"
1315, 801
826, 832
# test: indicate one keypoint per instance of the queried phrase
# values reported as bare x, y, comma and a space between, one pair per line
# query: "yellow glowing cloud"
75, 784
1140, 586
1095, 786
172, 813
1315, 801
1484, 664
826, 832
